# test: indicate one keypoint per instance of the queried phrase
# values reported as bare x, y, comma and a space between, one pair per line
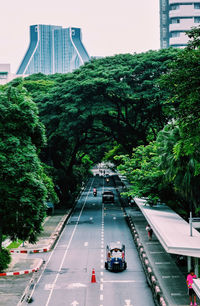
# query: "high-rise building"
53, 49
177, 17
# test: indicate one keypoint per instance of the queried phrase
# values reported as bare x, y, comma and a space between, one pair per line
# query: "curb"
151, 278
24, 271
53, 237
31, 251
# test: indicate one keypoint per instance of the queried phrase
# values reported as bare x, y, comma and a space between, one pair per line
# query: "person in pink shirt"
191, 291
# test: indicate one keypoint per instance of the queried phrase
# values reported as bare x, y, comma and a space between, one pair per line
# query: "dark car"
115, 260
108, 197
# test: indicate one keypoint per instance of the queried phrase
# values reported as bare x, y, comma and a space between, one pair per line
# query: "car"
108, 197
115, 257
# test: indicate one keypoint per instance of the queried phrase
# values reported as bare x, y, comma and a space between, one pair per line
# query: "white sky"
108, 26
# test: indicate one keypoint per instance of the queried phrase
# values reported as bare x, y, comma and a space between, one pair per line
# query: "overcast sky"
108, 26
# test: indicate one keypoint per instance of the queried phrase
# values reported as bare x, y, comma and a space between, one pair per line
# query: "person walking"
191, 291
149, 231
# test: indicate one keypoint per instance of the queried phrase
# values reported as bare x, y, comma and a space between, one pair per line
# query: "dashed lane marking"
86, 244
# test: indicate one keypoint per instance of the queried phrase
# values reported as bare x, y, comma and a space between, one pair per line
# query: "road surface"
66, 279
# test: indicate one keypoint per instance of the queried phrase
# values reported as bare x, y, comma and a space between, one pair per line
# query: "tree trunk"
1, 238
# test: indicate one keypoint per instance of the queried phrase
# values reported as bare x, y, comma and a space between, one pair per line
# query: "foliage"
143, 172
14, 244
184, 87
114, 101
5, 259
22, 189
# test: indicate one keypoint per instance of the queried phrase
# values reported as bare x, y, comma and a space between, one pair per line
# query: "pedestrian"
191, 291
149, 231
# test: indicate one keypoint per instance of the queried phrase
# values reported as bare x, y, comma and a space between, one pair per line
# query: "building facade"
177, 17
53, 49
5, 74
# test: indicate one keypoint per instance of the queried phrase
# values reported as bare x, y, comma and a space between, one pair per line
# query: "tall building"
53, 49
177, 17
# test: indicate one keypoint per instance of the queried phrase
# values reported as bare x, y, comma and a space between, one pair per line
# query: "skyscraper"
53, 49
177, 17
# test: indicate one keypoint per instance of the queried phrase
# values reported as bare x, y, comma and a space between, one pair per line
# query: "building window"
196, 19
175, 20
197, 6
174, 7
175, 34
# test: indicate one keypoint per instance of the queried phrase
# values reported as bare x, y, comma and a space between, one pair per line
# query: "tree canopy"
22, 188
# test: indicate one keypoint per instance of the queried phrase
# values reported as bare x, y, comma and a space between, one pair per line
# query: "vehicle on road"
107, 180
108, 197
115, 260
94, 192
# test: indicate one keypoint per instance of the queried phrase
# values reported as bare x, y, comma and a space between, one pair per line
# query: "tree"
22, 189
182, 80
114, 101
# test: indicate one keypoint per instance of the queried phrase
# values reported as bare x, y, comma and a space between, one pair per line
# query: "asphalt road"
66, 279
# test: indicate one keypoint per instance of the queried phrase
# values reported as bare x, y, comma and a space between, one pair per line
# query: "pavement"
23, 263
161, 267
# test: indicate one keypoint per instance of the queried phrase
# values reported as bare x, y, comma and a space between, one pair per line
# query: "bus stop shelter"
173, 232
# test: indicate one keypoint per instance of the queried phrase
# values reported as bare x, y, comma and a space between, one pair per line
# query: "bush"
5, 259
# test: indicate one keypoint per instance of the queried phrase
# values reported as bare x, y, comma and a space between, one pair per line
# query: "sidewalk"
47, 238
169, 277
12, 288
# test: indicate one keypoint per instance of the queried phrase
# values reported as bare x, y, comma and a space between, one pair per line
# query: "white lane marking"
76, 285
102, 260
101, 287
163, 263
102, 266
86, 244
114, 218
74, 303
101, 255
91, 218
101, 273
176, 294
101, 297
46, 264
68, 246
101, 280
128, 303
48, 286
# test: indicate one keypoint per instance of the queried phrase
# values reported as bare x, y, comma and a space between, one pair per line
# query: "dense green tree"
22, 188
114, 101
183, 82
